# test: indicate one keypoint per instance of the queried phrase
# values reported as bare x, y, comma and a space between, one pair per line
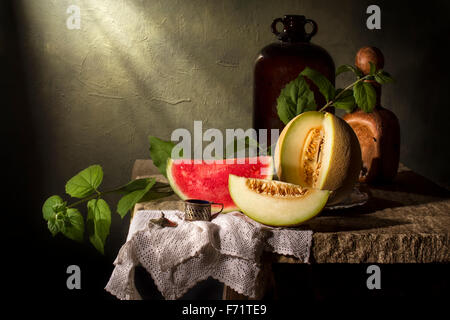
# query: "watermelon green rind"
172, 181
170, 176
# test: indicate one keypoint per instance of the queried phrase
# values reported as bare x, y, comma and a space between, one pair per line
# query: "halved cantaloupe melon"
321, 151
276, 203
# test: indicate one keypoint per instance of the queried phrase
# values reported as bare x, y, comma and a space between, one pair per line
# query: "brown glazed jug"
281, 62
378, 132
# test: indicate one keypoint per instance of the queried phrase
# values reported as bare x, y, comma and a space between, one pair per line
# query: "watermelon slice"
209, 180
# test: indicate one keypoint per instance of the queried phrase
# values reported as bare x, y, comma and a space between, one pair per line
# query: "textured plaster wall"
148, 67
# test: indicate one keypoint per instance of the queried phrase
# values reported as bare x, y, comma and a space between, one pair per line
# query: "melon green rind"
276, 211
345, 143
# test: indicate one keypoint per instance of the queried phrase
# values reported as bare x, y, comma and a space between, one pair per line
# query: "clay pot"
378, 132
379, 137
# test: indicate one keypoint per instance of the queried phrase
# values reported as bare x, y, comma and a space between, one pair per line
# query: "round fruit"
321, 151
276, 203
366, 55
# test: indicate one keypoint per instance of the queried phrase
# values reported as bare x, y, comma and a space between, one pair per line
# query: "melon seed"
274, 188
311, 157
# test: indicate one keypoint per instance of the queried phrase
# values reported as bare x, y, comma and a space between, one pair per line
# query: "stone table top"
407, 221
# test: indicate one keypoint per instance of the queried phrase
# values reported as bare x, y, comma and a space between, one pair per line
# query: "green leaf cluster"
294, 99
68, 220
297, 97
60, 218
364, 95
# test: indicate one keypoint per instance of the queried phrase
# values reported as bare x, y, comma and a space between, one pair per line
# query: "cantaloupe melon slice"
276, 203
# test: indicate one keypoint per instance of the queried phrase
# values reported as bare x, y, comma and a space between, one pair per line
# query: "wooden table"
407, 221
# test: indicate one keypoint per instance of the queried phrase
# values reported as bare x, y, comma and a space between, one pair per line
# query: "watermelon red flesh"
209, 180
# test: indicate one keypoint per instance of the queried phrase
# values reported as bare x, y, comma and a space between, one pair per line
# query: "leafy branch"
67, 219
297, 97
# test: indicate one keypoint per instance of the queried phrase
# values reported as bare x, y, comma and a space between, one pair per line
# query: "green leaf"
346, 101
142, 183
155, 195
324, 85
98, 223
161, 186
134, 185
295, 98
160, 152
348, 67
286, 109
51, 224
306, 103
383, 77
373, 68
309, 108
85, 182
365, 96
73, 225
59, 221
50, 206
127, 202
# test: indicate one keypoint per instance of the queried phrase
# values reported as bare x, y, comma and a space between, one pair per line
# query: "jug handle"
273, 26
313, 31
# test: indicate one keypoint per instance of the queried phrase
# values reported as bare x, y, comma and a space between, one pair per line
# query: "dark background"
75, 98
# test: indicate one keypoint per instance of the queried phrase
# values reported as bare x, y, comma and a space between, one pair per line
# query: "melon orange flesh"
276, 203
208, 180
319, 150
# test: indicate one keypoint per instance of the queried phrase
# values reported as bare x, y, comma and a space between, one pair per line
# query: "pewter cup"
195, 209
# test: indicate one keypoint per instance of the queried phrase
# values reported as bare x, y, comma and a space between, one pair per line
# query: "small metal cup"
195, 209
